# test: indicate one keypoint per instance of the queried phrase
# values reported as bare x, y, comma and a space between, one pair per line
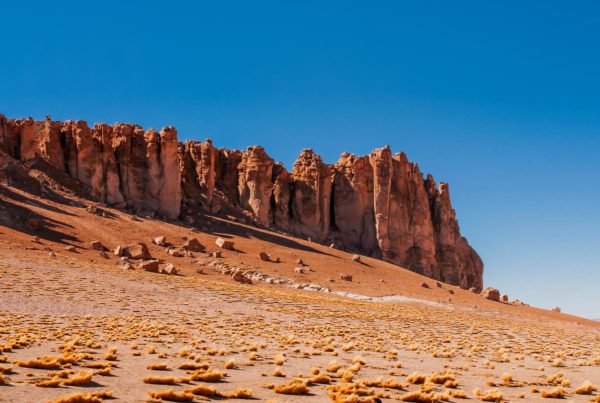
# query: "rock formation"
378, 205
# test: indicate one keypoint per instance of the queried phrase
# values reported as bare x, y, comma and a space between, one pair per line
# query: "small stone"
504, 298
160, 240
556, 309
91, 209
193, 245
149, 265
97, 245
103, 254
216, 253
33, 224
438, 284
51, 254
300, 262
35, 239
70, 248
299, 270
356, 258
118, 251
240, 277
223, 244
264, 256
170, 269
425, 285
346, 276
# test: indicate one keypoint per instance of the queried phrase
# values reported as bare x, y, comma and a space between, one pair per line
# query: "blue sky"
501, 99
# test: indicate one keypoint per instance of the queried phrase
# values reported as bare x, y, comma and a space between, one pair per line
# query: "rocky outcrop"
378, 205
120, 165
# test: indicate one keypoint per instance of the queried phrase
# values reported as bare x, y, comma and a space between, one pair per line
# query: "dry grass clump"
192, 366
3, 380
111, 354
94, 397
5, 370
294, 387
278, 373
158, 367
492, 395
586, 389
171, 395
429, 397
416, 378
320, 378
557, 393
239, 393
40, 363
279, 359
49, 383
160, 380
229, 364
441, 378
208, 375
203, 390
333, 366
79, 379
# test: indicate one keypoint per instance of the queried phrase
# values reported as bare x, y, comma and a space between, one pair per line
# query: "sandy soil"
103, 328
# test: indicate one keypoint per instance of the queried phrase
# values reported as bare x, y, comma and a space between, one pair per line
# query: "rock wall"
379, 204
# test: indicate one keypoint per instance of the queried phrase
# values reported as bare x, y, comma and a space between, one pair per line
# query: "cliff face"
379, 205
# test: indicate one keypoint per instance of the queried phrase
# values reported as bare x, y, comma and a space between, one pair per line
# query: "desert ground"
83, 325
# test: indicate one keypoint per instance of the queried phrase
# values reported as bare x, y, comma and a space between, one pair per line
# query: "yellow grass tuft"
586, 389
40, 363
492, 395
239, 393
208, 375
203, 390
416, 378
79, 379
423, 397
229, 364
94, 397
557, 393
171, 395
294, 387
160, 380
49, 383
192, 366
158, 367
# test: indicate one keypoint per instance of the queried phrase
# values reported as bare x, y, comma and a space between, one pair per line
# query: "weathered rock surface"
491, 293
378, 205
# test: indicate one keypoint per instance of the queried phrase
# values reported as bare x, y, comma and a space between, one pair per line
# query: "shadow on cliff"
23, 219
228, 229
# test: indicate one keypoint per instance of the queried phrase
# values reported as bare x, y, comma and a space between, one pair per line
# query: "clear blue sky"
501, 99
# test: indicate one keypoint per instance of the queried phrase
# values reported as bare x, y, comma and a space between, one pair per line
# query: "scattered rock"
193, 245
175, 252
160, 240
473, 290
118, 251
425, 285
138, 251
556, 309
51, 254
240, 277
224, 244
216, 253
264, 256
169, 269
438, 284
504, 298
381, 280
491, 293
300, 262
97, 245
346, 277
35, 239
149, 265
91, 209
299, 270
103, 254
70, 248
356, 258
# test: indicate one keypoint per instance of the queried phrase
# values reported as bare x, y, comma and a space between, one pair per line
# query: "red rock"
379, 205
160, 240
149, 265
240, 277
556, 309
346, 277
137, 251
222, 243
193, 245
169, 269
97, 245
491, 293
264, 256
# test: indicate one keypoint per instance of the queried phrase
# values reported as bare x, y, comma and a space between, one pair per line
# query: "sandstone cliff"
379, 205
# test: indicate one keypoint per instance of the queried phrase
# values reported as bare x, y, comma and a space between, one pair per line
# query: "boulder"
264, 256
160, 240
505, 298
118, 251
193, 245
149, 265
169, 269
97, 245
138, 251
239, 276
491, 293
224, 244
